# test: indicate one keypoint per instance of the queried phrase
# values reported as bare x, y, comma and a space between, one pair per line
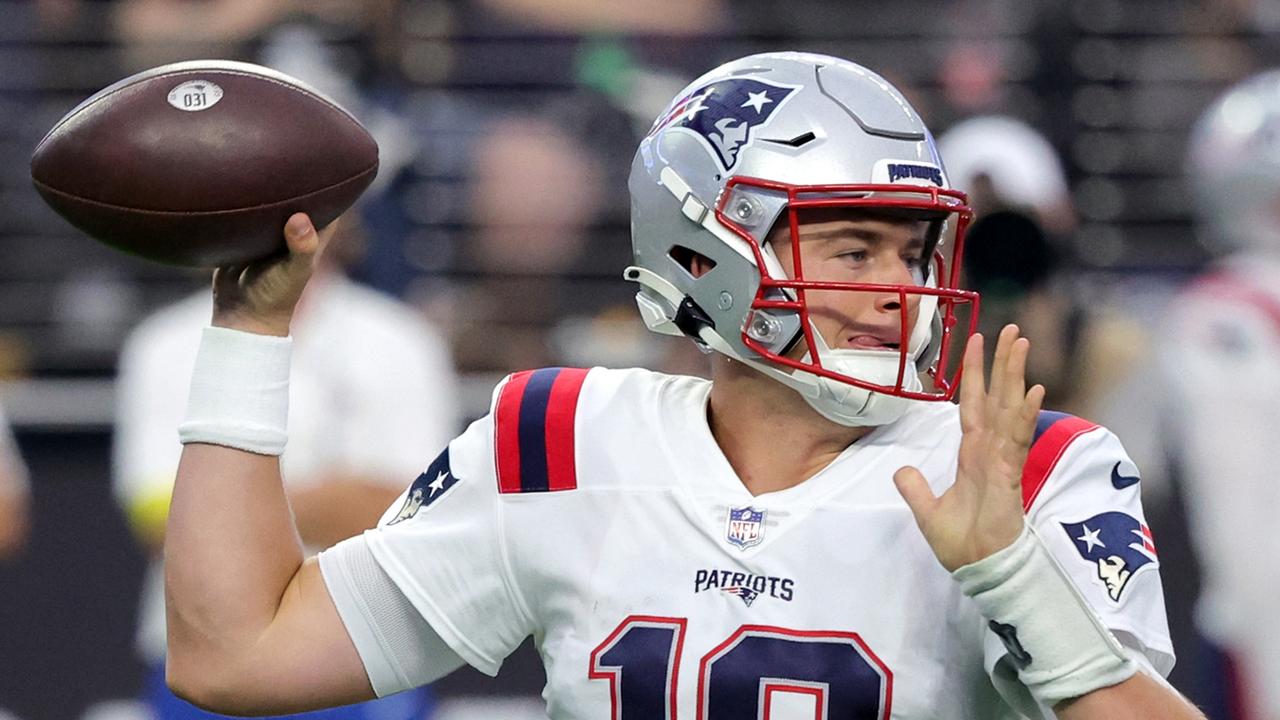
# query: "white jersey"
596, 512
1220, 370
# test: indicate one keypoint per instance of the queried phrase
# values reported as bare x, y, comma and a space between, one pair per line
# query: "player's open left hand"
260, 297
982, 512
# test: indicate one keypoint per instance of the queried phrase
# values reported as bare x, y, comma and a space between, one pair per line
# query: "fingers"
1015, 376
972, 385
260, 296
300, 235
226, 280
915, 490
1025, 429
999, 407
1000, 364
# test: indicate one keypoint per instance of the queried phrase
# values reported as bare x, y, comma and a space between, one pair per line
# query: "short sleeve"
442, 544
1082, 494
399, 649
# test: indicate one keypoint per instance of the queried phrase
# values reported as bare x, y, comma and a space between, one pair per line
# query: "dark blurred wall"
67, 605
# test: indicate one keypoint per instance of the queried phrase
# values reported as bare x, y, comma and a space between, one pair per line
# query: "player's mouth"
863, 341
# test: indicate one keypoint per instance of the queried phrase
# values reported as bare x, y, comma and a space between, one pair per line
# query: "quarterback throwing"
818, 532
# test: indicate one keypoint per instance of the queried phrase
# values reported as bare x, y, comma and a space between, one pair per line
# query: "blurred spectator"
1014, 256
154, 32
538, 240
547, 247
373, 395
1218, 396
670, 17
534, 195
15, 495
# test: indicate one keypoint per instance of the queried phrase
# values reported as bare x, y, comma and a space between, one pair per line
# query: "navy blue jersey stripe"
533, 431
1045, 421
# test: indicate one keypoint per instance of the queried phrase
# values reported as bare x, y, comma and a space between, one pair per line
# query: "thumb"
915, 490
300, 235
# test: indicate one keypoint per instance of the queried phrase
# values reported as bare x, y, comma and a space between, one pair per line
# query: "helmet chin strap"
850, 405
854, 406
839, 402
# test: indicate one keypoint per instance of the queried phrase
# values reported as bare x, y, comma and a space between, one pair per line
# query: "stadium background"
507, 129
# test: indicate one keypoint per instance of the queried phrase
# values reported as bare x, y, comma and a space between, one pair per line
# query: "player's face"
842, 245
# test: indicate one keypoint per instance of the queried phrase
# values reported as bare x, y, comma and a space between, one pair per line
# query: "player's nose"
897, 274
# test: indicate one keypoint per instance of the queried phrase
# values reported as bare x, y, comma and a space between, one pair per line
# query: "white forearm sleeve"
1057, 643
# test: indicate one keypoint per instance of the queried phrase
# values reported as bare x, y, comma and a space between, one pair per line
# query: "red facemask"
788, 294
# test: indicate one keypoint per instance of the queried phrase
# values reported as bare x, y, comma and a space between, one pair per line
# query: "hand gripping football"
201, 163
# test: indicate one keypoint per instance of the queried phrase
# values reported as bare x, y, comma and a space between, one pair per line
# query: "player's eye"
916, 266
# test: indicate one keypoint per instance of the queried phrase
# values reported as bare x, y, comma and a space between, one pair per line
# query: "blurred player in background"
15, 495
373, 384
678, 547
1221, 385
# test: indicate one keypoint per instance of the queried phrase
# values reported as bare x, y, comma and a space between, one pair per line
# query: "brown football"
201, 163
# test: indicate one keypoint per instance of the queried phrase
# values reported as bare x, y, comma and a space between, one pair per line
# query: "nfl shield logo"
745, 528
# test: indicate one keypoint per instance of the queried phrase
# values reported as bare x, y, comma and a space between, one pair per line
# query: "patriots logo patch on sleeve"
428, 488
1118, 544
726, 114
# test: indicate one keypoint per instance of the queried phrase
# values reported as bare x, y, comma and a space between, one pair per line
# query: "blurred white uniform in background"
1223, 366
1220, 359
372, 393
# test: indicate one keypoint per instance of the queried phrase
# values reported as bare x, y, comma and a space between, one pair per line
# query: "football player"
816, 532
1221, 345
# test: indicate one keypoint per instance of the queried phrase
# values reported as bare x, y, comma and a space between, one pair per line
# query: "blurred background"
500, 219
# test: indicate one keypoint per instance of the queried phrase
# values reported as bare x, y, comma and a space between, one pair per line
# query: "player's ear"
695, 262
701, 265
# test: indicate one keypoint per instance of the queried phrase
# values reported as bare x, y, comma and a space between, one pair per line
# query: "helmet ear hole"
693, 262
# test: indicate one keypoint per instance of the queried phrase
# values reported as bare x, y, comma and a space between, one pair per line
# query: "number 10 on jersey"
759, 672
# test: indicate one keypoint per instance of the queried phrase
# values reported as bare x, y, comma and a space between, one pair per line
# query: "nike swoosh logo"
1120, 482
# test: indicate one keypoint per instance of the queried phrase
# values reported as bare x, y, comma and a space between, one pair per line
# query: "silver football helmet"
1233, 167
741, 150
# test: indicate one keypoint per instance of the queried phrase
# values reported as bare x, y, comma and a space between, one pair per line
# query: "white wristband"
239, 392
1057, 643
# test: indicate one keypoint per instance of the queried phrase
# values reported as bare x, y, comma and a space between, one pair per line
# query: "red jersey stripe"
506, 429
562, 408
1045, 453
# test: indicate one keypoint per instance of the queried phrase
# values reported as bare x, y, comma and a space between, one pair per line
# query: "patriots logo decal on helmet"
726, 113
1119, 544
